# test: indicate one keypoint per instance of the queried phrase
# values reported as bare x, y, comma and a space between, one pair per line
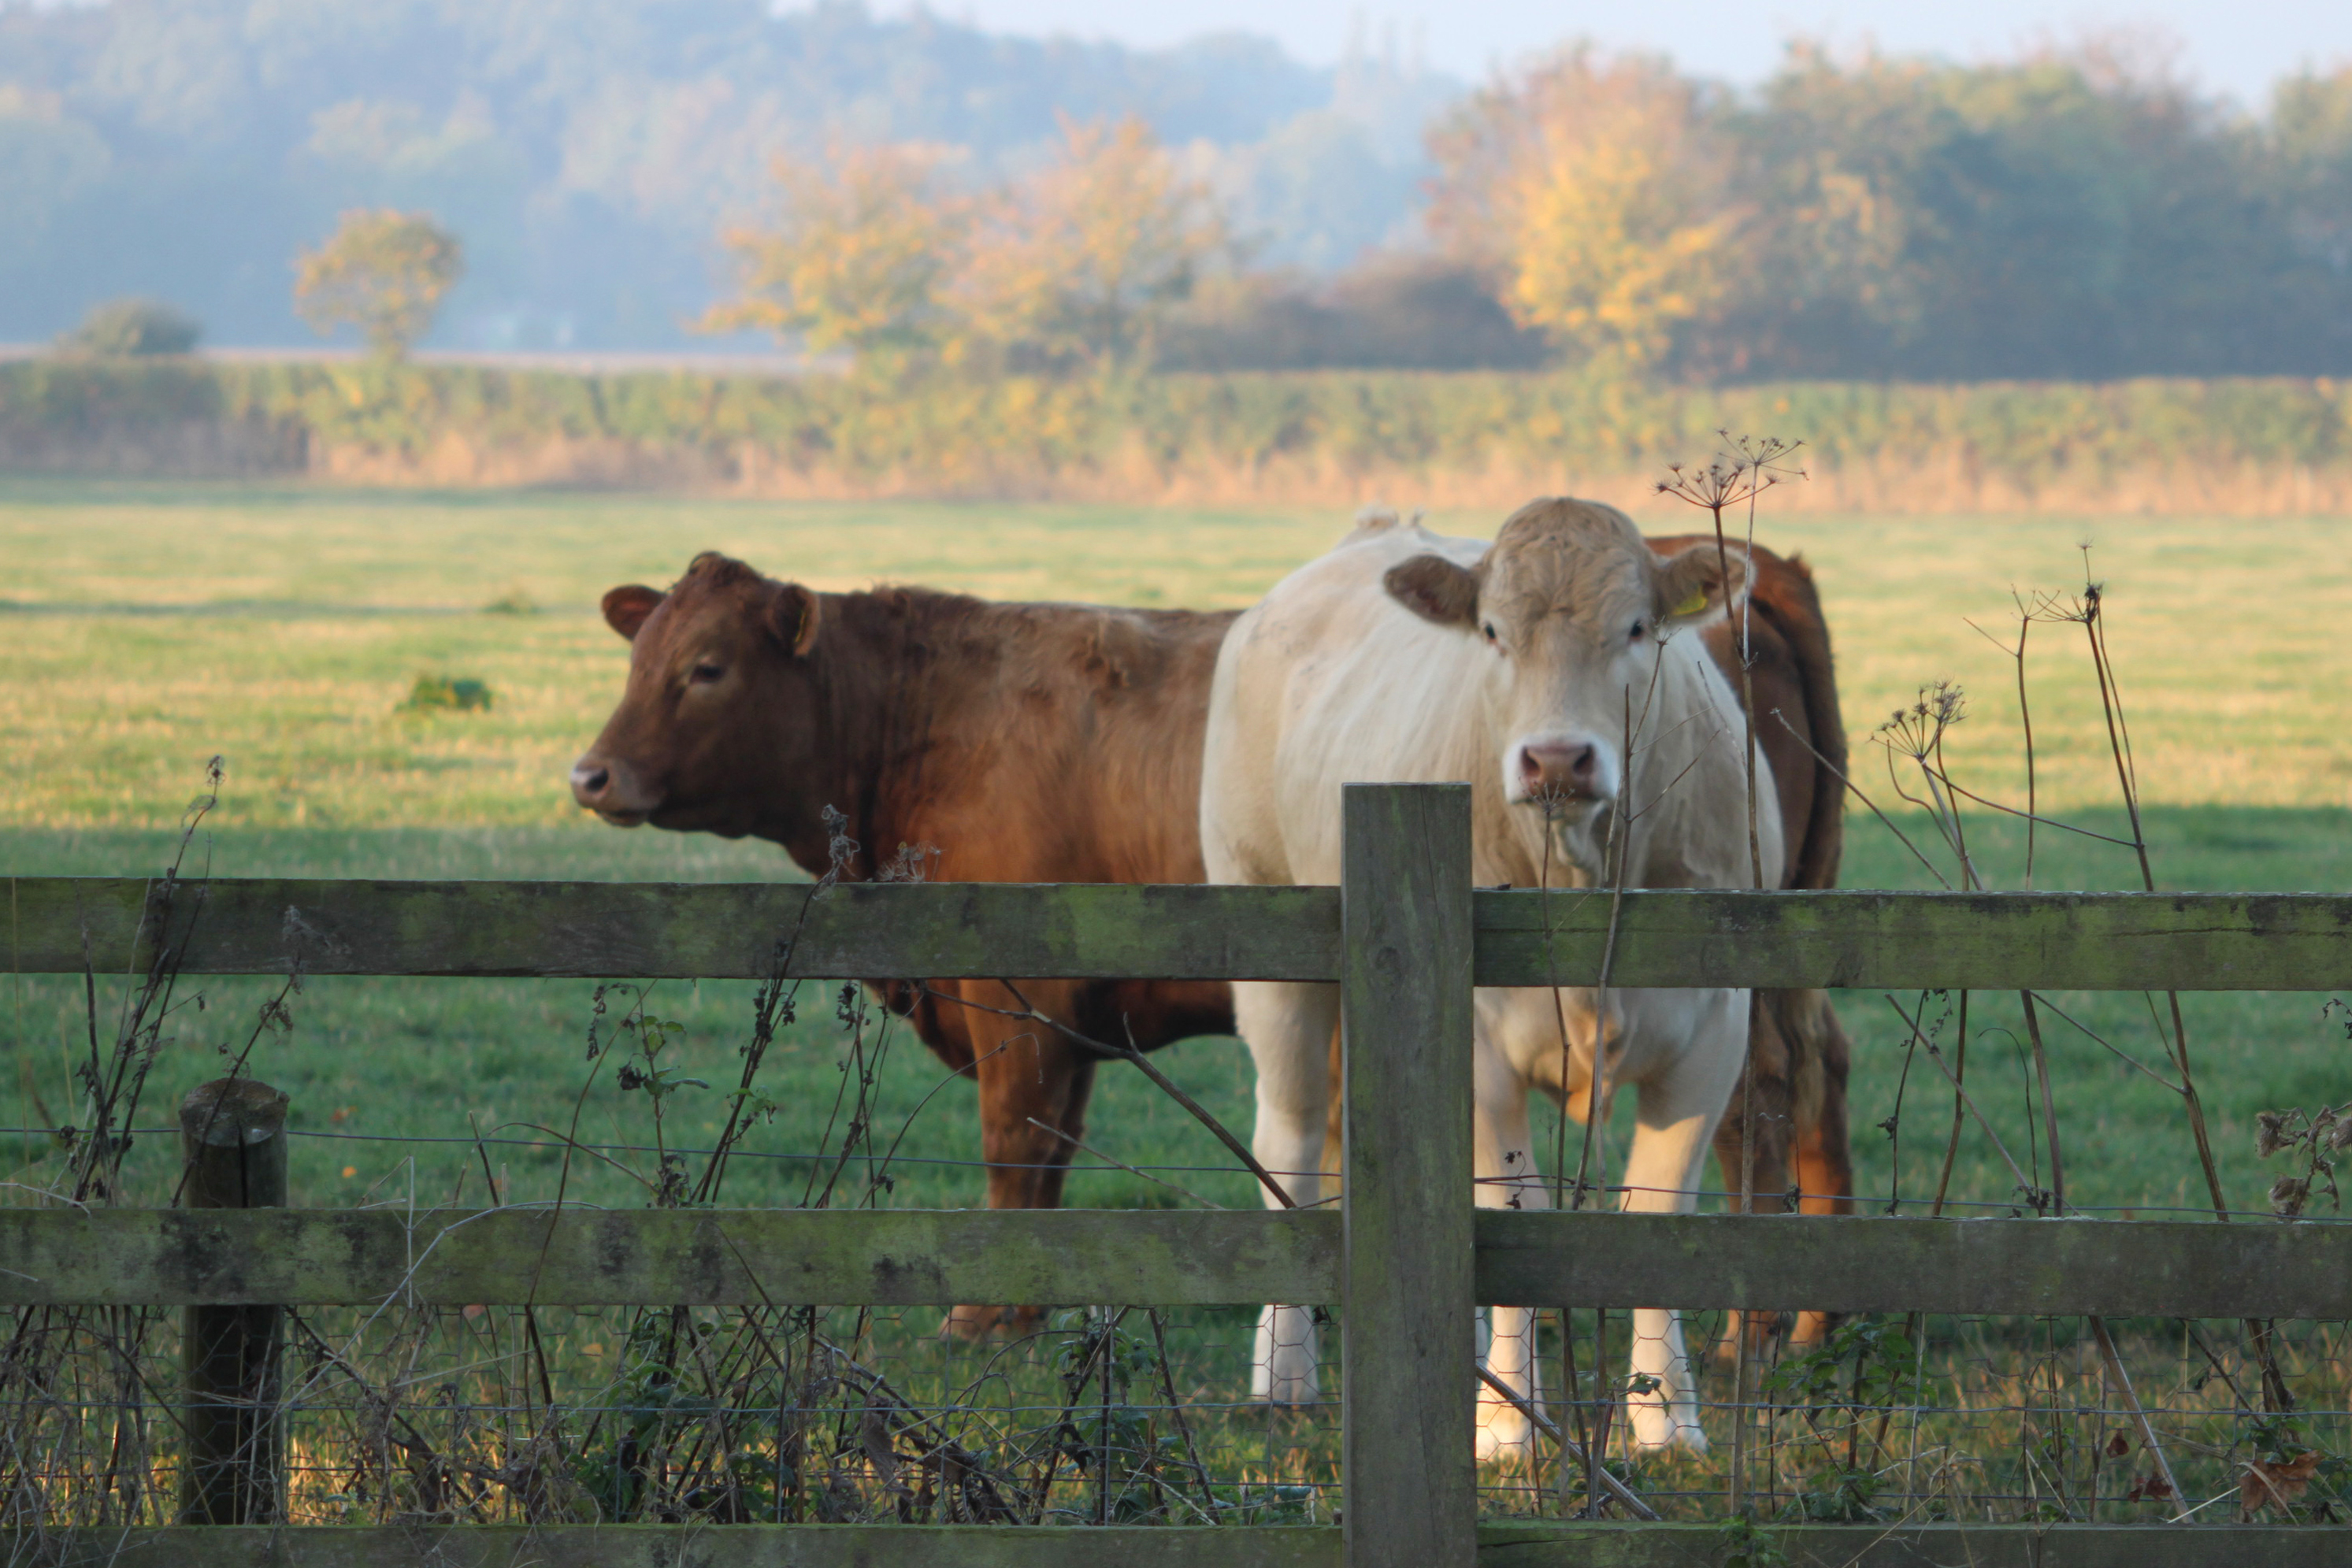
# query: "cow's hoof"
1507, 1442
1289, 1393
1812, 1329
974, 1323
1760, 1327
1669, 1436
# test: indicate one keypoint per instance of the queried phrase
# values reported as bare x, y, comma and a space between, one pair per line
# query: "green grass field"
148, 627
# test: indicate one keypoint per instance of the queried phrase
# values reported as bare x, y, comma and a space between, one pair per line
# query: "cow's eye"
1489, 630
1635, 634
705, 672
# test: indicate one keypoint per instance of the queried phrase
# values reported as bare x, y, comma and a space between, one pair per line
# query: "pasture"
150, 626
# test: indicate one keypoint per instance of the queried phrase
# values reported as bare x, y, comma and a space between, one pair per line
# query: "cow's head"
1573, 606
720, 715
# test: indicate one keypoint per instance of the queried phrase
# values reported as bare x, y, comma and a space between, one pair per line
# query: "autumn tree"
1077, 266
381, 271
1594, 192
856, 260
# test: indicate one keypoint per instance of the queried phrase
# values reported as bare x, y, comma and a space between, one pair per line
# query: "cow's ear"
792, 617
626, 608
1435, 589
1693, 587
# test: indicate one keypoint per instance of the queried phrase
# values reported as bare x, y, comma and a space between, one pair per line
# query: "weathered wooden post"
233, 1137
1410, 1338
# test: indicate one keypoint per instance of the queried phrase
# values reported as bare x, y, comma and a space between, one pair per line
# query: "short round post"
233, 1138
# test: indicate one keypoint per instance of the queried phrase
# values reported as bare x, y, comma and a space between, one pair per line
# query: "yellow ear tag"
1691, 606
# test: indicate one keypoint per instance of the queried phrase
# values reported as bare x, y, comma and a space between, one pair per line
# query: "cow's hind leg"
1289, 1030
1824, 1155
1751, 1147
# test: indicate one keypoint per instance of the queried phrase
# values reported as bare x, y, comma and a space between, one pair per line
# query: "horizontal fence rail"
1823, 1263
1509, 1545
1999, 941
663, 931
663, 1257
1984, 941
1174, 1258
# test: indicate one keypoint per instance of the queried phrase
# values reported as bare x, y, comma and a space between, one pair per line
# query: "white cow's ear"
626, 608
1692, 587
1435, 590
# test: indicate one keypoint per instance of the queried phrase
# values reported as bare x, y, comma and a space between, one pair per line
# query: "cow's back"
1326, 681
1053, 742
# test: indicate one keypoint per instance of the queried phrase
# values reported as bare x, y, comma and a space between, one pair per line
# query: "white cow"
1402, 656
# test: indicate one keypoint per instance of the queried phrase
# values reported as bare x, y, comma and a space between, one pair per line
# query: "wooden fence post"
233, 1138
1410, 1336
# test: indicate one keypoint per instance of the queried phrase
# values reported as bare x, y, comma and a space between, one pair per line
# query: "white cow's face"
1572, 605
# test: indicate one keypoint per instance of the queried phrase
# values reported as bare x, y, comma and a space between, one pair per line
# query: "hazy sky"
2237, 46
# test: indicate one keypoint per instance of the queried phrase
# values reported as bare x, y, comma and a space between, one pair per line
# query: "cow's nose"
589, 780
1555, 769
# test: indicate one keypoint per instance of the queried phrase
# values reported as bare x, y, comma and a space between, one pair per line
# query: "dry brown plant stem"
2276, 1397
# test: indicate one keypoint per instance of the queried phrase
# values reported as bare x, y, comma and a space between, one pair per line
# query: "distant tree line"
587, 154
2062, 215
923, 197
2059, 217
1866, 217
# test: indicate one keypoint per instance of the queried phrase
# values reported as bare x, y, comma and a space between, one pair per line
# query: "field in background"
150, 626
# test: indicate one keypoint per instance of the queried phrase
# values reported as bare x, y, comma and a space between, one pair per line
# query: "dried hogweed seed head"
2288, 1194
2270, 1132
2339, 1135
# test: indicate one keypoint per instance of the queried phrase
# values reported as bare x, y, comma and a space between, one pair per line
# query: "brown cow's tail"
1819, 1058
1813, 1044
1789, 600
1794, 1094
1818, 1050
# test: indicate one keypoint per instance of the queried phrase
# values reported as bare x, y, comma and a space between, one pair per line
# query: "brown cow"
1025, 742
1789, 1112
1053, 743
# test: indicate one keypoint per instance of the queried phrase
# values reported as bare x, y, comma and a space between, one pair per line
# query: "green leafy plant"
127, 328
1842, 1496
455, 694
1884, 1369
1746, 1544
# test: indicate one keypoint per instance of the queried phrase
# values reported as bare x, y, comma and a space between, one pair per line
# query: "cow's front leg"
1034, 1086
1676, 1114
1289, 1030
1503, 1158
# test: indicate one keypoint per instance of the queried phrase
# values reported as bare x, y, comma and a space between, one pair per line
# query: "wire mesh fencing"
488, 1414
1918, 1418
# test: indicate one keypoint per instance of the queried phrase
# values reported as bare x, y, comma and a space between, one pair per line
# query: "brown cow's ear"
1692, 589
792, 616
625, 609
1435, 590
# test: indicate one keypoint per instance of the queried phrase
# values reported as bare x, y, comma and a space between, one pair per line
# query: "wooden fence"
1406, 936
